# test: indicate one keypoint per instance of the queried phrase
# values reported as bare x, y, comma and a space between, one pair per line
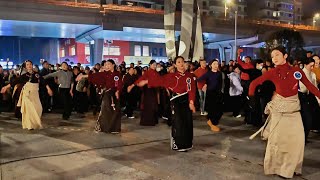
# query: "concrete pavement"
72, 150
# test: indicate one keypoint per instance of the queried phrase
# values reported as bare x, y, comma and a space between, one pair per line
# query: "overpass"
89, 22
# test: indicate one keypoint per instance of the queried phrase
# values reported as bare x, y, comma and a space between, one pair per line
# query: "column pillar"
54, 51
234, 52
96, 51
221, 53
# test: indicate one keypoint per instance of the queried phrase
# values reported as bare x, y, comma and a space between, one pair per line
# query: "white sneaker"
203, 113
185, 150
239, 116
164, 118
131, 117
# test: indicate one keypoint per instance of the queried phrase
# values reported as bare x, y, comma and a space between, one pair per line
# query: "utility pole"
235, 32
294, 14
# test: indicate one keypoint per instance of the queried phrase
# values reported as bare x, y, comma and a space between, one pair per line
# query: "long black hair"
23, 67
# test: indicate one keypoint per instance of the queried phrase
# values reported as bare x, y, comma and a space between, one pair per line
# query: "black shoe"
65, 118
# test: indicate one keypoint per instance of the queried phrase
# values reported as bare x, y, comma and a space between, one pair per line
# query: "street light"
226, 8
316, 16
235, 33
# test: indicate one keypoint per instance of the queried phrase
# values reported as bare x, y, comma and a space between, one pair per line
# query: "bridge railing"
270, 23
113, 7
78, 3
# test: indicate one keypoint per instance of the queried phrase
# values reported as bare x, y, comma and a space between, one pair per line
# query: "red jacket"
245, 76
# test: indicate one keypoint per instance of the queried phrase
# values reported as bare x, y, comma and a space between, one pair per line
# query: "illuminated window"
274, 13
145, 51
137, 50
63, 53
111, 51
72, 51
87, 50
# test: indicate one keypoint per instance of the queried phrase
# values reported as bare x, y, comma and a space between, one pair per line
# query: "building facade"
120, 51
224, 9
281, 11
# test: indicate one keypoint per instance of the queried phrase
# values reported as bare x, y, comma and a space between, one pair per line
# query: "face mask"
260, 67
158, 69
301, 66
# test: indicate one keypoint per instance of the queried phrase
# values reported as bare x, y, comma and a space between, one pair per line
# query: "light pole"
315, 17
235, 32
226, 8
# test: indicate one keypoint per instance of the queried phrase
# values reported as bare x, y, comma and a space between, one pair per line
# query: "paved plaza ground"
72, 150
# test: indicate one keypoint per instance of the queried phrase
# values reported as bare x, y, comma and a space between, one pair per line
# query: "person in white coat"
235, 91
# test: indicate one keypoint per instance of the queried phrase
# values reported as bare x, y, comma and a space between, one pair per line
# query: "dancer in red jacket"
283, 128
183, 86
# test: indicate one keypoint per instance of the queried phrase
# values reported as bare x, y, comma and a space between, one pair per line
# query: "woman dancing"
183, 86
110, 81
214, 98
283, 128
149, 100
29, 100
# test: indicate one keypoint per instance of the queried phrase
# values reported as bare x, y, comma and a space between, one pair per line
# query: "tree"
290, 39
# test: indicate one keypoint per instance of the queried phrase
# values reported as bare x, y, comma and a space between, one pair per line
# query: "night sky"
311, 7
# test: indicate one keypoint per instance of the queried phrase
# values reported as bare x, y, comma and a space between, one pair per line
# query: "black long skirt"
315, 111
109, 120
182, 125
149, 116
214, 104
